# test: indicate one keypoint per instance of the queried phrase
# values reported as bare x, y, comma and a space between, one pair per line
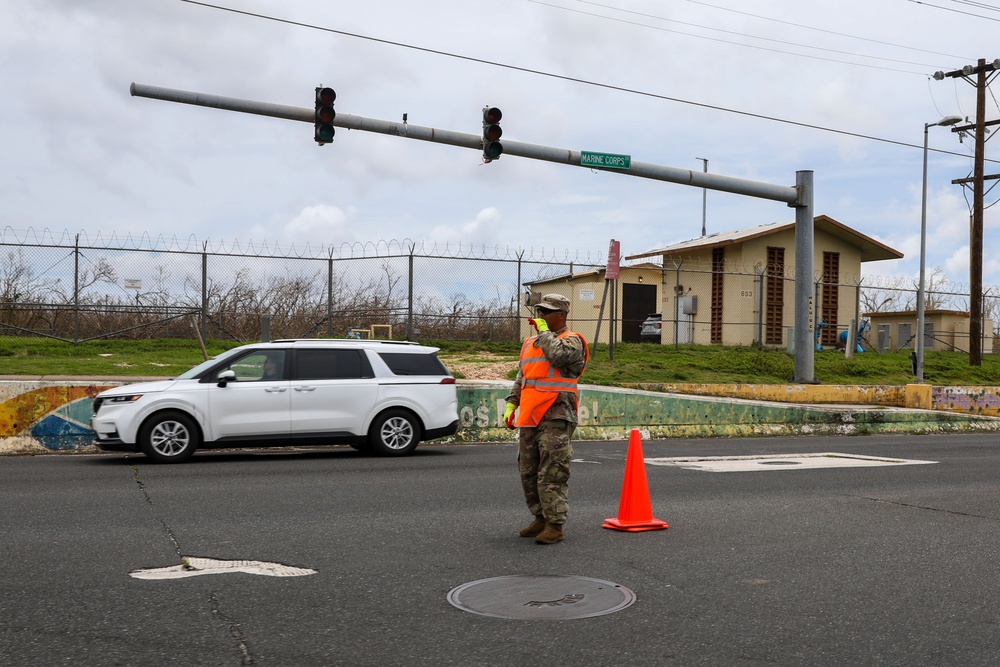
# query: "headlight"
98, 402
118, 400
122, 399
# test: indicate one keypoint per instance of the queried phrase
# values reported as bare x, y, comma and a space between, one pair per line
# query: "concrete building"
943, 330
730, 288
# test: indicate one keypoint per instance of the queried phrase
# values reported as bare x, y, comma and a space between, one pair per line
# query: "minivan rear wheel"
394, 433
169, 437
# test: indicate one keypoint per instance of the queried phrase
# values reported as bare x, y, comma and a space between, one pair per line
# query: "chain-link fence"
756, 307
76, 289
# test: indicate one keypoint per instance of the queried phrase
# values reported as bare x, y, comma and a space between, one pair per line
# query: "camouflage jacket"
570, 357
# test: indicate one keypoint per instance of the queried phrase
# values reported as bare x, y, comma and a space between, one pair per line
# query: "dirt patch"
485, 366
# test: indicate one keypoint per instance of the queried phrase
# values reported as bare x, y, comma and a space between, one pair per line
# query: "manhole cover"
553, 597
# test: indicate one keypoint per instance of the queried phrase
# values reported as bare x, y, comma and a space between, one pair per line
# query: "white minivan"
378, 396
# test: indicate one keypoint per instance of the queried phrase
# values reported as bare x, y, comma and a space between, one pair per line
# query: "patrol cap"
554, 302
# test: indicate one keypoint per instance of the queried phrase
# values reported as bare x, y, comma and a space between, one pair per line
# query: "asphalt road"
782, 566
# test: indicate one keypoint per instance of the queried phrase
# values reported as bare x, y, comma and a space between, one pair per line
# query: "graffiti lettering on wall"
480, 416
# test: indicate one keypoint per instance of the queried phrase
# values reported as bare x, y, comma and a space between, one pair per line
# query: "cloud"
485, 227
315, 226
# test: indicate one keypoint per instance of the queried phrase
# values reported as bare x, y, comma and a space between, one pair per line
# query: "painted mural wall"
55, 416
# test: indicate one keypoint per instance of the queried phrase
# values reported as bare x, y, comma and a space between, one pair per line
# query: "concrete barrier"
52, 415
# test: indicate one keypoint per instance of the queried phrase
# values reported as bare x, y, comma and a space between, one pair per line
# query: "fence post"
517, 292
857, 314
759, 286
329, 293
204, 289
600, 313
409, 295
76, 290
817, 314
676, 307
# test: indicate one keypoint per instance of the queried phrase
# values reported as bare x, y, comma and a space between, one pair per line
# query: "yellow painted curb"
919, 396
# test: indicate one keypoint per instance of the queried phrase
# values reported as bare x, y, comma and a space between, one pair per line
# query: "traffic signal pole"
799, 196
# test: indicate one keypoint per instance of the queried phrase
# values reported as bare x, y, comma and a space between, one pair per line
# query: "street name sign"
605, 160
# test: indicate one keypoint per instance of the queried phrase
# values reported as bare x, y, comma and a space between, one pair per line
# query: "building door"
638, 301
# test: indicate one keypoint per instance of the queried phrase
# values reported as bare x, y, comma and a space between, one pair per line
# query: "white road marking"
194, 566
781, 462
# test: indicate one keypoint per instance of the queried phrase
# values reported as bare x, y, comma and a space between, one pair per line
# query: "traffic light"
325, 97
492, 148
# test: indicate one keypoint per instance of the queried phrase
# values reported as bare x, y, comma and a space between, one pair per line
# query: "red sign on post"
614, 257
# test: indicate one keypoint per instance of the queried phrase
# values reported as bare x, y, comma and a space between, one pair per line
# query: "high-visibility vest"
541, 382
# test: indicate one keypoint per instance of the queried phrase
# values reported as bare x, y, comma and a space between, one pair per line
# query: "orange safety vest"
541, 381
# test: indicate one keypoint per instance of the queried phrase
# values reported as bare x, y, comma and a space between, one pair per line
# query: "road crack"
236, 631
925, 507
163, 523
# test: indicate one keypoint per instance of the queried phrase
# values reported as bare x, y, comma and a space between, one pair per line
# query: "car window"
414, 364
258, 366
205, 365
331, 364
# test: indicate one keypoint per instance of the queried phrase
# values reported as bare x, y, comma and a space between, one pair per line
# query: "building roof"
871, 250
591, 272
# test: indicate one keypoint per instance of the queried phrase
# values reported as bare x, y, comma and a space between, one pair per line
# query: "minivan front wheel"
169, 437
394, 433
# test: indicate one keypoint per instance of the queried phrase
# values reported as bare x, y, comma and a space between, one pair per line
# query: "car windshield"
205, 365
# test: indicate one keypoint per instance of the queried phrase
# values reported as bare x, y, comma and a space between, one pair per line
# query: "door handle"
275, 390
305, 389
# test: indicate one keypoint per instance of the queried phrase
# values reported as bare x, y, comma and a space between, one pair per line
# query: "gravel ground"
486, 367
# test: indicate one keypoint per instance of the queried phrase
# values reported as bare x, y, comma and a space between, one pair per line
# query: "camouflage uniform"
544, 451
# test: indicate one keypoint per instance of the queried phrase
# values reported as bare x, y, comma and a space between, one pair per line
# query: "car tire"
169, 437
394, 433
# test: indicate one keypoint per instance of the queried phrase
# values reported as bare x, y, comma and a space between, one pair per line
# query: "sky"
760, 89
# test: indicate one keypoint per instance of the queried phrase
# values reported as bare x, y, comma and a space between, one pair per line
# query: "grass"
157, 357
631, 363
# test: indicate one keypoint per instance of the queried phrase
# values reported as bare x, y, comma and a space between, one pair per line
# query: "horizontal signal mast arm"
699, 179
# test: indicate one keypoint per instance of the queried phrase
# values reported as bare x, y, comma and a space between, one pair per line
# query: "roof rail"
342, 340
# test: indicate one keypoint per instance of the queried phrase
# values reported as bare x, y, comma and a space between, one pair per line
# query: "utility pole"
980, 70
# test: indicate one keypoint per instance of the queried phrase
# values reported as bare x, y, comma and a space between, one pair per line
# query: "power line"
732, 32
824, 30
980, 5
563, 77
957, 11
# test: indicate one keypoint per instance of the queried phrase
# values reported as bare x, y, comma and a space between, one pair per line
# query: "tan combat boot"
537, 526
553, 533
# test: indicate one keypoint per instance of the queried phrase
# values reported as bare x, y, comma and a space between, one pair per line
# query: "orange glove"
508, 415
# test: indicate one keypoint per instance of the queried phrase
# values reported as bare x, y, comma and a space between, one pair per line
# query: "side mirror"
225, 377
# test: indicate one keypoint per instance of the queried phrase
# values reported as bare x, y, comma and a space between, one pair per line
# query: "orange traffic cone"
635, 513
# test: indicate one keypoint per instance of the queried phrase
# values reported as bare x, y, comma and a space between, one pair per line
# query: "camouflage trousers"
543, 457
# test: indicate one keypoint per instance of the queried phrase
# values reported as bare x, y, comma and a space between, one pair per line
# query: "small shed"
943, 330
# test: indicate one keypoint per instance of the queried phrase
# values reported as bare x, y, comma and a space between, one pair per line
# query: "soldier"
546, 399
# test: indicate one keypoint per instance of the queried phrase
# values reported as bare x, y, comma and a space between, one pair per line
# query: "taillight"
448, 381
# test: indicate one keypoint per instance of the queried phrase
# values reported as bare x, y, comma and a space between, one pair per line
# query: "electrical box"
689, 305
